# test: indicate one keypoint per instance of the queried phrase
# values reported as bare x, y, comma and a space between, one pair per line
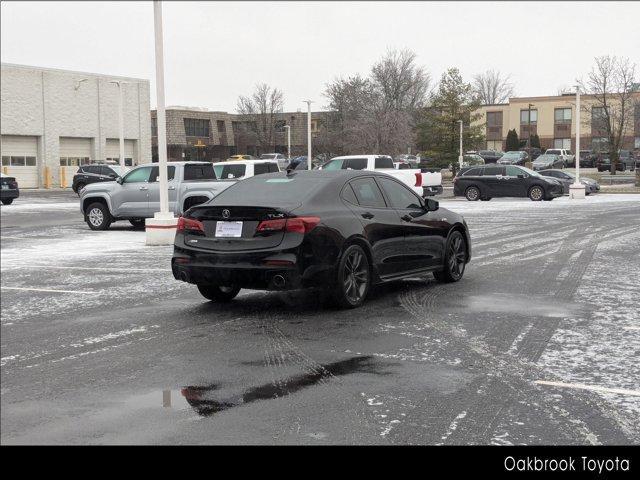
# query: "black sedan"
490, 156
485, 183
547, 161
342, 230
514, 158
8, 189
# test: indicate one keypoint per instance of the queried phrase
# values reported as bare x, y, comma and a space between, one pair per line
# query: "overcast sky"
216, 51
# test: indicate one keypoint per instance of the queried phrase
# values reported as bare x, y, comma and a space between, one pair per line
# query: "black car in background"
567, 179
8, 189
603, 163
485, 183
587, 158
514, 158
490, 156
342, 230
87, 174
534, 152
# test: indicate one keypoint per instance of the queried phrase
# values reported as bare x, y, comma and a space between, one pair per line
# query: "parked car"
625, 157
471, 159
514, 157
547, 161
88, 174
241, 157
567, 156
272, 156
402, 165
534, 152
342, 230
244, 168
603, 163
136, 195
423, 183
587, 158
9, 190
485, 183
490, 156
411, 159
567, 179
302, 164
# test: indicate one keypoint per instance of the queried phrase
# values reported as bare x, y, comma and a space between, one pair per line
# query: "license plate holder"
228, 229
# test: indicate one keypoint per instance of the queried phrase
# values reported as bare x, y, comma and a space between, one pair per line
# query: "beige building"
553, 120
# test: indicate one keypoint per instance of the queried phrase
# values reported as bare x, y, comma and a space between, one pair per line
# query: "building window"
279, 126
196, 127
563, 115
221, 126
524, 117
494, 119
74, 161
314, 126
562, 143
18, 161
154, 127
636, 143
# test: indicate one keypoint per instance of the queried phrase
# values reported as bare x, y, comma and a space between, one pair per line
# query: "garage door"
113, 151
73, 153
19, 159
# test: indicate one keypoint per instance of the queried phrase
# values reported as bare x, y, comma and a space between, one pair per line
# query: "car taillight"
190, 225
418, 180
455, 179
295, 224
13, 184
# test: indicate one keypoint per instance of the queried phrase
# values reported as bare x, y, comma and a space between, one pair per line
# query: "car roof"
245, 162
347, 157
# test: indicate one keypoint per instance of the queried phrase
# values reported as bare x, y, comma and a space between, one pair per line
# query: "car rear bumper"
9, 193
431, 190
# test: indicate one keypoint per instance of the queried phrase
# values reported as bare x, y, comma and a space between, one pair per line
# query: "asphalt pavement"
538, 344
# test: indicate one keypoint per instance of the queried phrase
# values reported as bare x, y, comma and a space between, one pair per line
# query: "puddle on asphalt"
527, 305
208, 399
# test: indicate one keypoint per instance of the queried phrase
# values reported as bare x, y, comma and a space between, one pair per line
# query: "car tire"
353, 277
79, 187
98, 216
137, 223
472, 193
217, 293
485, 199
455, 259
536, 193
7, 201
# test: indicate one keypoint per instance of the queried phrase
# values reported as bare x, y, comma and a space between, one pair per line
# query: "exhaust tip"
184, 277
279, 281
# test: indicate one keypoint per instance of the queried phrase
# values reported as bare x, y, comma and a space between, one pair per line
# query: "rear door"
382, 226
492, 181
154, 190
424, 232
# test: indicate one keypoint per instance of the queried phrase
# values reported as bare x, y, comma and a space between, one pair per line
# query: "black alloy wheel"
472, 194
354, 277
455, 259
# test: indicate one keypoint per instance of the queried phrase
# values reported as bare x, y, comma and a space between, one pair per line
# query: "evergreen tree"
535, 141
512, 141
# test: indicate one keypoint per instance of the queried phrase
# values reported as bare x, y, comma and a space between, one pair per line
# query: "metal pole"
121, 108
288, 127
529, 134
161, 116
460, 157
577, 155
309, 102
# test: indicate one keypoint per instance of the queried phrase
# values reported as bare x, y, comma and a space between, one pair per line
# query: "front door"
131, 198
512, 185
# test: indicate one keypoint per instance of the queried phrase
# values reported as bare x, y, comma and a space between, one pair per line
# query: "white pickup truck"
423, 183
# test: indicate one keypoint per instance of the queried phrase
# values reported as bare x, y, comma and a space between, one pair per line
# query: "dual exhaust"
278, 281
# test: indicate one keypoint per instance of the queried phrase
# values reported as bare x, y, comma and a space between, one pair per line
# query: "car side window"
273, 168
399, 195
512, 171
357, 163
493, 171
381, 162
333, 165
348, 195
155, 173
368, 193
472, 172
138, 175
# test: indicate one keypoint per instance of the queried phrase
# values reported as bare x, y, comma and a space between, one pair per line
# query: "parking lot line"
593, 388
46, 290
631, 328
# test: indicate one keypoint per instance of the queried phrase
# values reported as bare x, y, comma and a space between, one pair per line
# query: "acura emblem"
226, 213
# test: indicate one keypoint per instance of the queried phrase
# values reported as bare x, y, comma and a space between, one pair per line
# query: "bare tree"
492, 87
612, 83
261, 110
377, 113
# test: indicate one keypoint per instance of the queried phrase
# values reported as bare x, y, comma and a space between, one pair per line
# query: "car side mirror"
119, 180
520, 176
431, 205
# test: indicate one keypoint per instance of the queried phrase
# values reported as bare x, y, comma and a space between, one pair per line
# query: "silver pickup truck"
136, 196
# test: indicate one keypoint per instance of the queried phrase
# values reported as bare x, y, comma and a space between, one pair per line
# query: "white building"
53, 118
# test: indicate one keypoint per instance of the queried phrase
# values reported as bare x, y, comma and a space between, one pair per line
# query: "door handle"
407, 218
368, 215
172, 188
144, 188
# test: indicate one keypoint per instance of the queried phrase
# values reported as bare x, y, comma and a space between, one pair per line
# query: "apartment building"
552, 118
199, 134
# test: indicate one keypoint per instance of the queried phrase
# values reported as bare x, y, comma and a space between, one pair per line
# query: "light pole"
160, 230
460, 157
308, 102
529, 132
288, 127
120, 120
576, 189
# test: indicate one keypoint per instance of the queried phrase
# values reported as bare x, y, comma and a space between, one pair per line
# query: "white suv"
564, 154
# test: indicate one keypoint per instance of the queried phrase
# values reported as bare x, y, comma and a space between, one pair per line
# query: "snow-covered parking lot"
539, 343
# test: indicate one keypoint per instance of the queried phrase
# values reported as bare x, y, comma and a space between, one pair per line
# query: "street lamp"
308, 102
288, 127
120, 119
529, 132
460, 157
576, 189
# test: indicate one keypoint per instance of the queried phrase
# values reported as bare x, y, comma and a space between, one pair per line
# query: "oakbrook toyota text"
569, 464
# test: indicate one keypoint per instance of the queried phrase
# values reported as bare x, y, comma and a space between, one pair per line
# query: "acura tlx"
342, 230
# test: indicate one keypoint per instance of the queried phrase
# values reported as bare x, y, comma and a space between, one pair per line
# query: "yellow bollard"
63, 177
47, 177
5, 170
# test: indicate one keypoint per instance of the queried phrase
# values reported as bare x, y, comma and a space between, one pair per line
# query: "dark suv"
490, 156
486, 182
87, 174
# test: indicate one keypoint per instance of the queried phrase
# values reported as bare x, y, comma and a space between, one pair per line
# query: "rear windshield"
199, 172
226, 171
383, 162
260, 168
275, 190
